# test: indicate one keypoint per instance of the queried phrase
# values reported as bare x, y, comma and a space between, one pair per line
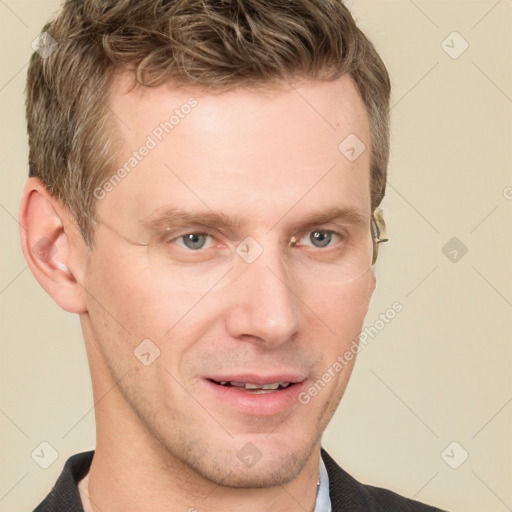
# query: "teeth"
254, 387
250, 386
263, 386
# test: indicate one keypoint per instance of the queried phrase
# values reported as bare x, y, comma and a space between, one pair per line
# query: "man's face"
222, 307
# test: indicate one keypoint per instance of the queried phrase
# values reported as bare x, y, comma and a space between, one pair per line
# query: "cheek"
342, 308
143, 301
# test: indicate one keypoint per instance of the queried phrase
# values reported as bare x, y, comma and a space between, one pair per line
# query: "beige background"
439, 372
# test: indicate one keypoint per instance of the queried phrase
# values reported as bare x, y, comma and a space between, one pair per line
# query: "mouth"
256, 395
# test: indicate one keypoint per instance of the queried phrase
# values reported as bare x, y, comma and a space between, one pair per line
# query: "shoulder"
348, 494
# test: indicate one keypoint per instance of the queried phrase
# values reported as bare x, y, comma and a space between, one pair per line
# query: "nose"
264, 307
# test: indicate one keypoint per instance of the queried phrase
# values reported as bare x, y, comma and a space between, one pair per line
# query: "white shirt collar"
323, 500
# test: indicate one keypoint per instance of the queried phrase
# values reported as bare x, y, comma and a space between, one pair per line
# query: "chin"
269, 477
272, 469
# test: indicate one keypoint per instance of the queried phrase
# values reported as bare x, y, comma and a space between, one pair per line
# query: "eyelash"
298, 238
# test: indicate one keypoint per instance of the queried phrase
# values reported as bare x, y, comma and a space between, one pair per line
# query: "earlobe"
46, 245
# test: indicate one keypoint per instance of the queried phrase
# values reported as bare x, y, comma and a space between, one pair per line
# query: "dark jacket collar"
65, 496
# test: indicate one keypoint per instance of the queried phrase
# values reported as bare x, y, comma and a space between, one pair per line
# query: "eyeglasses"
379, 232
352, 253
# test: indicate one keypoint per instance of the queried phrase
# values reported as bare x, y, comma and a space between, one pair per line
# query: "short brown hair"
214, 43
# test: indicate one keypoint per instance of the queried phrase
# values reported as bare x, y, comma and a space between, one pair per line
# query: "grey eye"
194, 240
320, 238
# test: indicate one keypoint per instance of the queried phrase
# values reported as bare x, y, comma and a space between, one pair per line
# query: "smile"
255, 395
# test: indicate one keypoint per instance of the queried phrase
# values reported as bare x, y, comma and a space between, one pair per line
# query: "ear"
45, 227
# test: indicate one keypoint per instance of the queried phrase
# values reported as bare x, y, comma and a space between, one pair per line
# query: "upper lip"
258, 379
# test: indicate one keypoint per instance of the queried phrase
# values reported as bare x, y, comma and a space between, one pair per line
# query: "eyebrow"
175, 217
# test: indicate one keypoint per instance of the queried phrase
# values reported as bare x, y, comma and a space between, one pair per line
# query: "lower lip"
261, 404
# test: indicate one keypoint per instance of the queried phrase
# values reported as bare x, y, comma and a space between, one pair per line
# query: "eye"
321, 237
193, 241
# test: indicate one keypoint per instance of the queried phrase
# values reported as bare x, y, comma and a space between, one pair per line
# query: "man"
203, 192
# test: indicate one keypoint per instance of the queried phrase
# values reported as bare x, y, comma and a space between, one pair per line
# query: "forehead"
269, 148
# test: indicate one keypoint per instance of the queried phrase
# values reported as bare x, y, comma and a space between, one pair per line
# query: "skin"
163, 441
